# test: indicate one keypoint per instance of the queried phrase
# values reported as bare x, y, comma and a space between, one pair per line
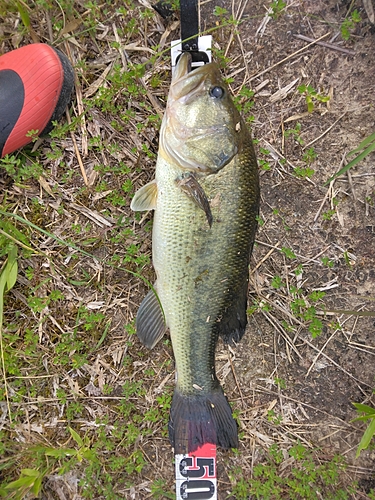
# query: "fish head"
201, 125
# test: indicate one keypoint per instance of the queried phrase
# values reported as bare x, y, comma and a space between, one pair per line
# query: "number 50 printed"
196, 474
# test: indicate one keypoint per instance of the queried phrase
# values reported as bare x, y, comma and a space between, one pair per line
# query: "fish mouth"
183, 66
187, 83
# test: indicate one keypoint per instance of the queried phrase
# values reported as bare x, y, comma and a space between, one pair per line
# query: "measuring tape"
196, 474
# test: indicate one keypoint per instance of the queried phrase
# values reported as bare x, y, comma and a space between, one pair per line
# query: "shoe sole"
36, 82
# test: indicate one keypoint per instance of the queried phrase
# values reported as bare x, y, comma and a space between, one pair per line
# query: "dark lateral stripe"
12, 96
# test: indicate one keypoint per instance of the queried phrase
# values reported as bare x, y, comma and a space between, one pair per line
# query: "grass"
67, 327
365, 148
367, 414
303, 476
85, 406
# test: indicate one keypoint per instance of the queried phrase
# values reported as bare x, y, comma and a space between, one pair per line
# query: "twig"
288, 57
83, 171
234, 374
327, 44
336, 364
265, 257
80, 107
319, 353
325, 132
323, 202
306, 259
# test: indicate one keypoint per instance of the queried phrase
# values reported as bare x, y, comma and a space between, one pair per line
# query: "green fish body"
206, 197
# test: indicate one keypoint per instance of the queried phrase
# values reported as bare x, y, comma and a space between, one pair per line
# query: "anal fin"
150, 322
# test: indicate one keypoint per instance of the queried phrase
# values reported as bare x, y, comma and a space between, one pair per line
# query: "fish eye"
217, 92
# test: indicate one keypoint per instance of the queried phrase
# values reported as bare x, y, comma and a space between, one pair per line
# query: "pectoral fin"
191, 187
145, 198
150, 322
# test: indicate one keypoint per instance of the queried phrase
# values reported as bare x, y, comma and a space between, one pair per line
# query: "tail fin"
202, 418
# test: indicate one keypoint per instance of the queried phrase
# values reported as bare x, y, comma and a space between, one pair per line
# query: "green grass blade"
370, 138
11, 269
364, 408
366, 438
24, 14
352, 163
50, 235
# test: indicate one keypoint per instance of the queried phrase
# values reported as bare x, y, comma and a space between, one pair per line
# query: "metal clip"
200, 55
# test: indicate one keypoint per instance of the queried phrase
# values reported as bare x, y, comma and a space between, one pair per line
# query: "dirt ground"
286, 384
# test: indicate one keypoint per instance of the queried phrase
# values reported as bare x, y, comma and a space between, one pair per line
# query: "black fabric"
12, 96
190, 29
189, 24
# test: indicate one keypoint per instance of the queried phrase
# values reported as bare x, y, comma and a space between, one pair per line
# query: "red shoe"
36, 82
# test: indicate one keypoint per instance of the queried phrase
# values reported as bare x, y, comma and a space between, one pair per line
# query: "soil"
286, 384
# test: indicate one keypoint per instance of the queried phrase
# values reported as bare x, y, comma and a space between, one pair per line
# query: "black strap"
189, 25
190, 30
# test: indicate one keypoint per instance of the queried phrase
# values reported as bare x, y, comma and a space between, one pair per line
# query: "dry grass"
72, 357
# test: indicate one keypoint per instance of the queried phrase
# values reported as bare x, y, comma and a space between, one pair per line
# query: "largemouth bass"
206, 196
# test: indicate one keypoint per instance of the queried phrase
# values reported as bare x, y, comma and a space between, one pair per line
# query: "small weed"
244, 102
159, 490
349, 24
311, 96
348, 258
280, 382
226, 19
277, 7
260, 221
21, 168
316, 295
220, 11
273, 418
253, 308
277, 212
264, 164
304, 173
301, 309
328, 214
295, 133
288, 252
298, 270
310, 156
277, 282
48, 459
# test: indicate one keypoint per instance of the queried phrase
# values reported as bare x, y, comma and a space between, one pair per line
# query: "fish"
205, 197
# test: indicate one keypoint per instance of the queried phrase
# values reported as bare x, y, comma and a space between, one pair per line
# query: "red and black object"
36, 83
